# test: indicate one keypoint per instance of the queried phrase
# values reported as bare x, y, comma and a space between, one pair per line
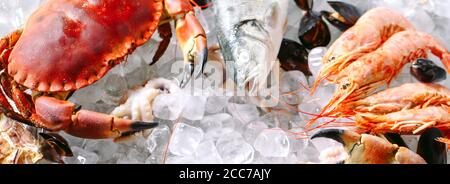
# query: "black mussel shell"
293, 56
313, 31
349, 12
336, 20
202, 2
426, 71
55, 147
432, 151
305, 5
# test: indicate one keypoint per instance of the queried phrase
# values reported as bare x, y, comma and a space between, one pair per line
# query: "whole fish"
250, 33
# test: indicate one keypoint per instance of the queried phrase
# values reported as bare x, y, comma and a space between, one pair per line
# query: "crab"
388, 148
69, 44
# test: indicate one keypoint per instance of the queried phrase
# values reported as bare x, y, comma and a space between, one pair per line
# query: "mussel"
55, 147
432, 151
293, 56
346, 15
426, 71
313, 31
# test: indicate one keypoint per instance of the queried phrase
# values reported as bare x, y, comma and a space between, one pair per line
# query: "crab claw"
56, 115
434, 152
369, 149
192, 39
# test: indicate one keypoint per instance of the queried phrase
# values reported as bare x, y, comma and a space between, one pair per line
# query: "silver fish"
250, 34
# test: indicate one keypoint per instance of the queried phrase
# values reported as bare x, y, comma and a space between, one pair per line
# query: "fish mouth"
250, 54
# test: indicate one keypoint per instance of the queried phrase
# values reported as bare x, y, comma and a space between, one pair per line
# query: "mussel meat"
426, 71
293, 56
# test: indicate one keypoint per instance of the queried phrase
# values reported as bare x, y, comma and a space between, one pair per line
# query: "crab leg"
190, 35
62, 115
6, 45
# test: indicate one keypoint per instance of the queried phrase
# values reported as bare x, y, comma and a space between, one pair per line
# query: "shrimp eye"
345, 86
332, 58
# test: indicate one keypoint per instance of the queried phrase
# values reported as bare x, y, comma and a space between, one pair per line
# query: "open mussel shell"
426, 71
313, 31
349, 13
293, 56
54, 147
336, 20
305, 5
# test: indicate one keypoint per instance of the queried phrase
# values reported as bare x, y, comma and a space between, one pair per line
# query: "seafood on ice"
250, 34
370, 31
364, 75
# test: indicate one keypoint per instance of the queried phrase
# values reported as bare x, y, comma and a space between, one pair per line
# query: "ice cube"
307, 109
234, 150
272, 143
217, 125
290, 159
216, 103
73, 141
439, 7
137, 154
252, 130
157, 143
294, 86
322, 95
399, 5
103, 148
420, 19
81, 156
185, 139
276, 119
115, 87
127, 160
298, 139
168, 106
180, 160
315, 59
244, 113
207, 153
194, 108
323, 143
309, 155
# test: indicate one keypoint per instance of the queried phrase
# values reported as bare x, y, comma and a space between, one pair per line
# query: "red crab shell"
69, 44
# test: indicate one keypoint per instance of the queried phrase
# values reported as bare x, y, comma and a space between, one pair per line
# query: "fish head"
255, 45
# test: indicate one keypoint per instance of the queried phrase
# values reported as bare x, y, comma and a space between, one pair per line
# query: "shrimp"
406, 96
369, 32
365, 75
411, 121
